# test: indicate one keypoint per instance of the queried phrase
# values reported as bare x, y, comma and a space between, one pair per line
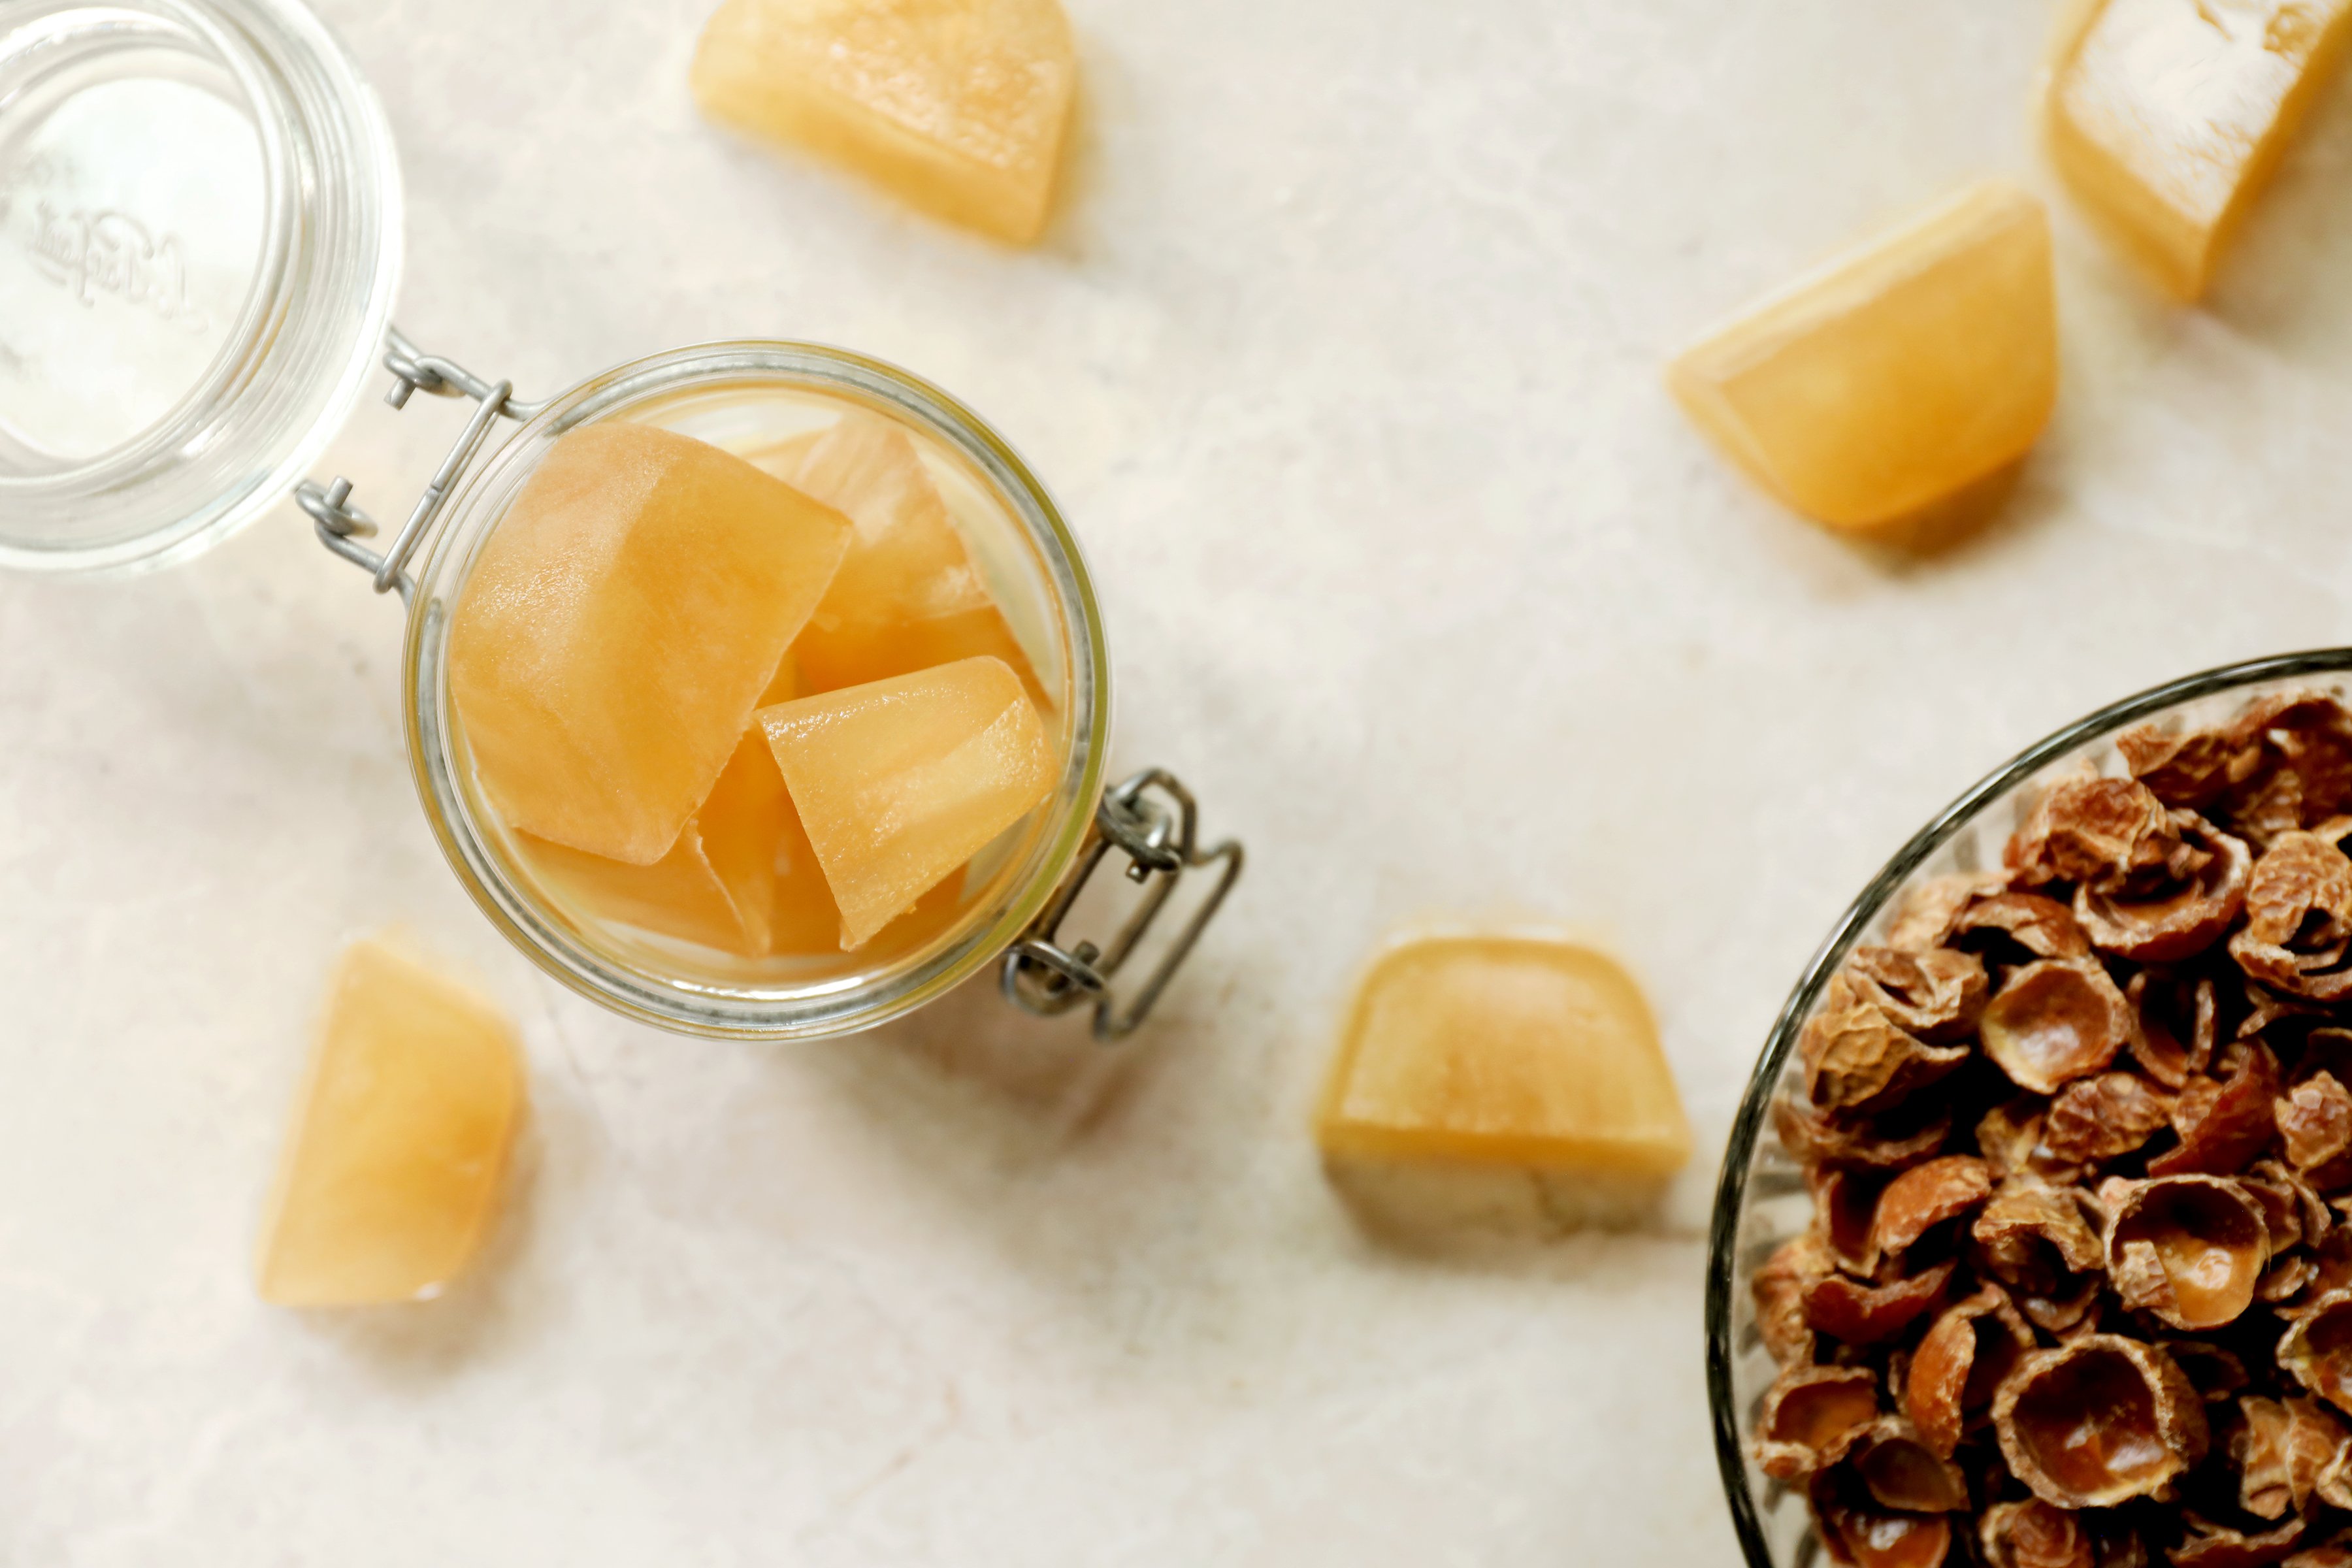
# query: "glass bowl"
1760, 1200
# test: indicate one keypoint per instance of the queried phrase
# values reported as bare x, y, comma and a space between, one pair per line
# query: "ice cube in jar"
899, 782
927, 552
908, 597
619, 627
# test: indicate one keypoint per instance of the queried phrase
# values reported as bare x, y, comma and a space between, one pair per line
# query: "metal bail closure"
340, 523
1042, 976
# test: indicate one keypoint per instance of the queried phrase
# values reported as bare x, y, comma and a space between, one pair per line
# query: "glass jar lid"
200, 234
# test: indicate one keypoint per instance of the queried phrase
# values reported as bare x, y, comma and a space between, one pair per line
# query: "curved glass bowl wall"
744, 396
1761, 1200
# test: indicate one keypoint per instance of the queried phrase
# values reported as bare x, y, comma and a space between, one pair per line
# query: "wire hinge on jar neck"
1160, 841
340, 523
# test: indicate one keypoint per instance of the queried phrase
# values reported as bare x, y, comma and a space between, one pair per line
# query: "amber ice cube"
1895, 374
908, 595
2166, 117
616, 632
762, 855
681, 895
722, 883
732, 880
742, 877
956, 105
389, 1178
1504, 1049
899, 782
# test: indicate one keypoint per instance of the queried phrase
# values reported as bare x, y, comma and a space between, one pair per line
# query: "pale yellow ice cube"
899, 782
390, 1175
908, 595
619, 626
956, 105
1504, 1049
2166, 117
1897, 374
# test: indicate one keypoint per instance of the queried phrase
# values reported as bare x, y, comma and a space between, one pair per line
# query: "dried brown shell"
1903, 1473
1855, 1533
2212, 1545
2317, 1349
2331, 1259
2224, 1127
2218, 1374
2178, 1022
1859, 1061
1780, 1287
1886, 1142
2103, 1118
1960, 1364
2010, 1140
2292, 1210
2038, 1241
1935, 995
2335, 1488
2096, 1423
2301, 769
2041, 927
1845, 1205
2265, 1007
2298, 918
2054, 1020
2300, 893
1929, 908
2189, 768
2030, 1533
2315, 1121
2286, 1278
1811, 1416
1861, 1314
2335, 1553
2181, 917
2189, 1250
2089, 829
1925, 1196
2321, 977
2281, 1448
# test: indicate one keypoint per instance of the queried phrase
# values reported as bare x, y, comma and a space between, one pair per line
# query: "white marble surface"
1343, 353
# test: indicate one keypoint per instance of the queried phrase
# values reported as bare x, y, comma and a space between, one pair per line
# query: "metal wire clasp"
1160, 841
340, 523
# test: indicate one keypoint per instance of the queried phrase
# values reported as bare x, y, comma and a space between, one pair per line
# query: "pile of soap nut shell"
2078, 1289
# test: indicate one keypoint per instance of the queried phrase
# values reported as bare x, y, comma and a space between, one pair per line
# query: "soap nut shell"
2099, 1422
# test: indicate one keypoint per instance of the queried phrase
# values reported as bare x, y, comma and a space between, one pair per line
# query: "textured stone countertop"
1343, 353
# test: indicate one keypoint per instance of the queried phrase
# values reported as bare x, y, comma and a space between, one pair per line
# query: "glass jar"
199, 246
1761, 1200
200, 239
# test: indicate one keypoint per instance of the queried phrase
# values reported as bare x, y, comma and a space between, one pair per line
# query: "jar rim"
1726, 1267
739, 1011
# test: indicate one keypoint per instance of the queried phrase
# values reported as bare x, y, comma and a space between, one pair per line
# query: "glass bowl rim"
1731, 1184
1073, 586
